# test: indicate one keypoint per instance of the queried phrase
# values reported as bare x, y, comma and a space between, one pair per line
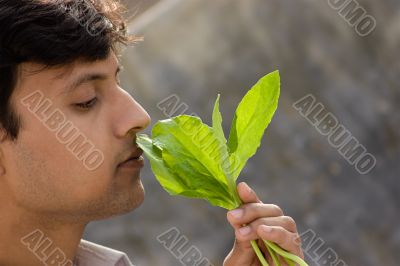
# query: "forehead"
37, 75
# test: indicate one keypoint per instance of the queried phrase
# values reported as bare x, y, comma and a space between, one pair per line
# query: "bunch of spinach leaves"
192, 159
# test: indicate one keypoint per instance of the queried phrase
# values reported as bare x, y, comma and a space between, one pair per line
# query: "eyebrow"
88, 77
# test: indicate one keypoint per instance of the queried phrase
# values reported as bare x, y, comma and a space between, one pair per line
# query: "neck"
27, 239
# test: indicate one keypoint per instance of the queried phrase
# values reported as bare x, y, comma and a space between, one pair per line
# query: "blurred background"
196, 49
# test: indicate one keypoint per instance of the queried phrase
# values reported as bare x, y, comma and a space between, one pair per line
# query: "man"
66, 131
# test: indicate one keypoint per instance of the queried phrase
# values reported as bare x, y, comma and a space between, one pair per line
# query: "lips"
134, 160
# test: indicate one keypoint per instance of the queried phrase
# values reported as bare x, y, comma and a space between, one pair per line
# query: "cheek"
49, 172
99, 178
35, 180
48, 175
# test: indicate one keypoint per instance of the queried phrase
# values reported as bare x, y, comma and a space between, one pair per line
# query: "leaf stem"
289, 262
284, 253
259, 253
274, 256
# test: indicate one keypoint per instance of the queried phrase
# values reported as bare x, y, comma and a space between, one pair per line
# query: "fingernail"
266, 229
244, 230
238, 213
249, 190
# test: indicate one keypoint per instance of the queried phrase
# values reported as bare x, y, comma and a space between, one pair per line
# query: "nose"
130, 117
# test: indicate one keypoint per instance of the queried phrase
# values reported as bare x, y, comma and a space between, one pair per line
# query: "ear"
2, 169
3, 136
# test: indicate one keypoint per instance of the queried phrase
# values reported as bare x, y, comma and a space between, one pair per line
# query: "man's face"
51, 171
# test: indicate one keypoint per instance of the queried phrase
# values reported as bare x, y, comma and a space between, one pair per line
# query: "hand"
263, 221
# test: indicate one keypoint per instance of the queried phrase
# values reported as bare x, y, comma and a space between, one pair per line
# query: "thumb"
246, 194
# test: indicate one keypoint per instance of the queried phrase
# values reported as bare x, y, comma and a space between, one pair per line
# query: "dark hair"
53, 33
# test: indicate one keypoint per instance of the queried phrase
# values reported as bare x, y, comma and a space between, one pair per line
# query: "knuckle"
297, 240
275, 231
296, 244
261, 221
253, 208
279, 235
289, 222
276, 209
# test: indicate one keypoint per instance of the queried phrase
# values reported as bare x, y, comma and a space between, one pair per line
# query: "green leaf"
252, 117
197, 141
194, 157
217, 122
163, 174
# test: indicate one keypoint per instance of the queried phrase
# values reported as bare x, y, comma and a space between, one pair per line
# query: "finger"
249, 232
249, 212
286, 222
285, 239
246, 194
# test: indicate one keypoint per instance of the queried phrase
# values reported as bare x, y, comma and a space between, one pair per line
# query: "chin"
120, 202
128, 201
134, 199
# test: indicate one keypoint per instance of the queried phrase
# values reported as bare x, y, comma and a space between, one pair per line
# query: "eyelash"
87, 105
91, 103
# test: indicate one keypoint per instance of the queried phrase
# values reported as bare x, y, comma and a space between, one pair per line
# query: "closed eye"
87, 105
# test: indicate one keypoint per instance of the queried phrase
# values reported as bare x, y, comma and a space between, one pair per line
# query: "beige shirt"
90, 254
